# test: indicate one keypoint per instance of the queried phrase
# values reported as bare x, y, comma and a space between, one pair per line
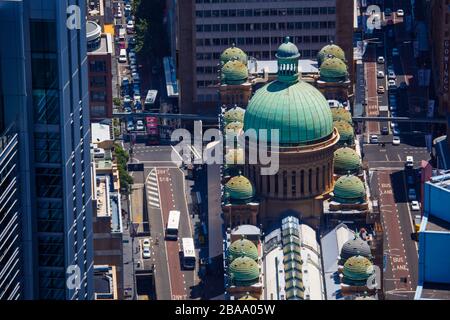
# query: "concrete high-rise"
206, 28
44, 100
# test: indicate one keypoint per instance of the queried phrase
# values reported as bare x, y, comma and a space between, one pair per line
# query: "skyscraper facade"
206, 28
43, 74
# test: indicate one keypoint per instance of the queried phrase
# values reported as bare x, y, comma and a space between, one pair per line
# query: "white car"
140, 125
380, 60
415, 205
146, 253
380, 74
394, 125
395, 52
118, 13
374, 138
128, 7
400, 13
392, 83
412, 194
146, 241
391, 75
396, 141
130, 26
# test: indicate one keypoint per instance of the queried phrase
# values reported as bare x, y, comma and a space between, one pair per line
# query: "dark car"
385, 131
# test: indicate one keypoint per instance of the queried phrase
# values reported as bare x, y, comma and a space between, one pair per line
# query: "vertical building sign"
445, 83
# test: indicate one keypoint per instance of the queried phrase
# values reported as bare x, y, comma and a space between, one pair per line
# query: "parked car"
391, 75
392, 83
140, 125
146, 254
387, 12
132, 41
380, 74
130, 125
396, 131
400, 13
380, 90
380, 60
385, 131
410, 179
374, 139
395, 141
415, 205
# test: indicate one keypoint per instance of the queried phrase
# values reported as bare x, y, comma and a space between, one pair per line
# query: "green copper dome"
341, 114
234, 114
240, 189
349, 189
333, 69
332, 50
346, 132
357, 270
299, 111
242, 248
235, 127
355, 247
234, 156
234, 72
244, 271
346, 160
287, 50
233, 53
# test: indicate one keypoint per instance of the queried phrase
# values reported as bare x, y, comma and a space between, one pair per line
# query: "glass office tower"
46, 96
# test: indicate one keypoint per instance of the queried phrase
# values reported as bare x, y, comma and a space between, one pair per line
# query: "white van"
123, 56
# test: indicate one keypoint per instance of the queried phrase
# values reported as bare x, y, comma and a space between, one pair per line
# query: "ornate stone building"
307, 141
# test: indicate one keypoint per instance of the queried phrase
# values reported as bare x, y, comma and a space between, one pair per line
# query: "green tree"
122, 158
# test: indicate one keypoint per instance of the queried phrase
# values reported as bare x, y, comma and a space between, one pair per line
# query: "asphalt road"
165, 191
386, 164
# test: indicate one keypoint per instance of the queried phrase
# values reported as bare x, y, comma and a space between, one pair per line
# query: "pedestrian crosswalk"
152, 190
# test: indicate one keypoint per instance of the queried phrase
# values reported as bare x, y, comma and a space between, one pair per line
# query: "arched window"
317, 179
310, 181
302, 185
294, 183
324, 186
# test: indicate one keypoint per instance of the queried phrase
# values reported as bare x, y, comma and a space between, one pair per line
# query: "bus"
188, 253
152, 130
151, 102
172, 225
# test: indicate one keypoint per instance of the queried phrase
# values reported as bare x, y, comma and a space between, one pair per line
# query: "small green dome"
299, 111
333, 69
244, 271
233, 53
349, 189
234, 114
346, 160
235, 127
242, 248
240, 189
341, 114
332, 50
234, 72
357, 270
355, 247
346, 132
234, 156
287, 50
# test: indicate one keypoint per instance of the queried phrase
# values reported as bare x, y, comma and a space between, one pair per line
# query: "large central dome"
298, 110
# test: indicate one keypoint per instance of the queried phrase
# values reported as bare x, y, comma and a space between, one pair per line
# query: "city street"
390, 182
165, 190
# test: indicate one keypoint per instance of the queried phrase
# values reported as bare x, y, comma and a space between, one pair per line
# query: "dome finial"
233, 45
287, 39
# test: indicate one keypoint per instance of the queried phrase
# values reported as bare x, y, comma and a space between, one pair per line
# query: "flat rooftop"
436, 224
436, 291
